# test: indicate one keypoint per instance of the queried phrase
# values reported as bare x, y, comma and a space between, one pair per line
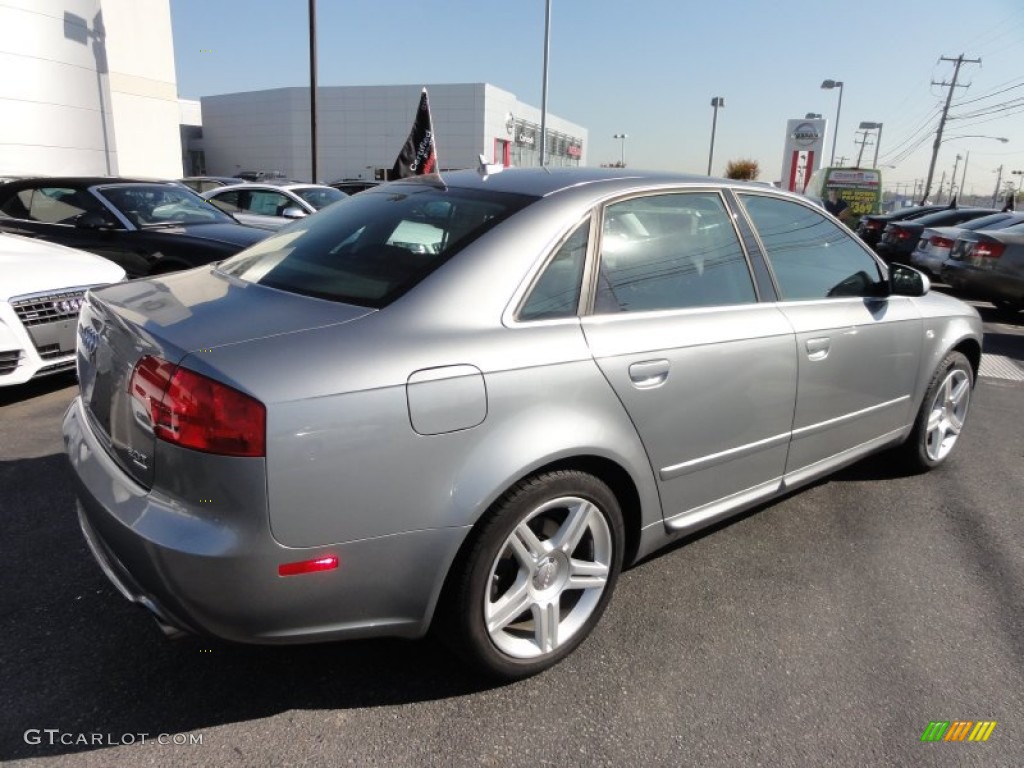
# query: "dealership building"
361, 129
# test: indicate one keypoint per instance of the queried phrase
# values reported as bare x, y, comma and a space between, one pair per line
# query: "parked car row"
64, 235
976, 251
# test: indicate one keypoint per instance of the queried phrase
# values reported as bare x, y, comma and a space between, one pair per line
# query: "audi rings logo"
806, 134
68, 306
89, 339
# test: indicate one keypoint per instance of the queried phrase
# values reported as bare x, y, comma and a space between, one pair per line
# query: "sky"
650, 68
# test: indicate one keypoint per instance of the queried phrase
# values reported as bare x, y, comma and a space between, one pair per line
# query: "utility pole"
862, 142
942, 183
841, 162
999, 181
959, 61
952, 179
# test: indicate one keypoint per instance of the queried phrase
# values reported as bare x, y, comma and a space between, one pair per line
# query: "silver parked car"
466, 403
271, 206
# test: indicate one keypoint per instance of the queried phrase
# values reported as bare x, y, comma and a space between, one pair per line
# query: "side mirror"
293, 212
907, 281
93, 220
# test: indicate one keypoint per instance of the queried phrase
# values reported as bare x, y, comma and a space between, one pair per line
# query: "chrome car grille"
49, 308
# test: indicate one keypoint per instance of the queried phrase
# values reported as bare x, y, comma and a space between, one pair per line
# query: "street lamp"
812, 116
716, 102
878, 139
829, 85
622, 148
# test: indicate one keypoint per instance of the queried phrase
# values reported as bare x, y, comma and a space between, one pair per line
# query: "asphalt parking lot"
828, 628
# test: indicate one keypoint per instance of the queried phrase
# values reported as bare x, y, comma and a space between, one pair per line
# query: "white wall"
94, 91
143, 87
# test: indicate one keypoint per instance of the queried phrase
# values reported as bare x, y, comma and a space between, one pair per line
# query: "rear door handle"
649, 373
818, 349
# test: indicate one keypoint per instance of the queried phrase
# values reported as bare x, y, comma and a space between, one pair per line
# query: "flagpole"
544, 93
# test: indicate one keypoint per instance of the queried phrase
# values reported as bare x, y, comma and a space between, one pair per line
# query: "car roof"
542, 182
264, 185
82, 181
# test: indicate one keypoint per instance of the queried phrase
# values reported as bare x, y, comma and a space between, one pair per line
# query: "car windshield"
319, 197
157, 205
376, 246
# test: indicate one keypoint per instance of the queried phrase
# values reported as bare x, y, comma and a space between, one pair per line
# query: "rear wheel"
537, 575
942, 415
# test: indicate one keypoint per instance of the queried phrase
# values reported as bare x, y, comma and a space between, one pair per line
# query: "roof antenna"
485, 169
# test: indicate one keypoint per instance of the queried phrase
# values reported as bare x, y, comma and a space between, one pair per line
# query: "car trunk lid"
169, 318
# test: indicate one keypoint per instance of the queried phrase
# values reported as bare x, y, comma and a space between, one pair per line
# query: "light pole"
544, 91
312, 91
622, 148
716, 102
878, 138
829, 85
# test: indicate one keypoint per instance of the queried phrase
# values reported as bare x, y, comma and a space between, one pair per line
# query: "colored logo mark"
958, 730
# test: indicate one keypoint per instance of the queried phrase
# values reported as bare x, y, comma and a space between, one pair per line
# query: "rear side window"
377, 246
557, 292
52, 205
811, 257
674, 251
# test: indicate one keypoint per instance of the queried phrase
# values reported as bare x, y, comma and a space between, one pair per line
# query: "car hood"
232, 234
201, 309
33, 266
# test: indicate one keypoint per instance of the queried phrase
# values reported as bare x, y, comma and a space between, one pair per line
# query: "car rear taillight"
873, 226
988, 250
901, 234
194, 411
941, 242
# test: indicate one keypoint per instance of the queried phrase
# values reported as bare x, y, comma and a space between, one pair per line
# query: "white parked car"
42, 286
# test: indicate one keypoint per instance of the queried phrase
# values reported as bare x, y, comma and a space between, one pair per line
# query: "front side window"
557, 292
811, 257
158, 205
377, 246
674, 251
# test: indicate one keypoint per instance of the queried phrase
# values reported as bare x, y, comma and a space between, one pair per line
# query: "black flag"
418, 155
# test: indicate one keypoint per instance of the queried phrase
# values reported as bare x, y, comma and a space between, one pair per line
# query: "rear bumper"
982, 284
215, 571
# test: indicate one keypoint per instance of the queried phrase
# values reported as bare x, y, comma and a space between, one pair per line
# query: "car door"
859, 350
705, 371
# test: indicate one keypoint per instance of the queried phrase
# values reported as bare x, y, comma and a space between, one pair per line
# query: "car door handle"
649, 373
817, 349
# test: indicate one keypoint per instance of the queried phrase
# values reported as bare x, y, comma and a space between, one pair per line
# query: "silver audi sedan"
466, 403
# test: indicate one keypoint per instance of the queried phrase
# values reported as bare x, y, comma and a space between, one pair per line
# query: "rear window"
376, 246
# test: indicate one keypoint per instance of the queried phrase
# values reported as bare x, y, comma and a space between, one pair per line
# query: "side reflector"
328, 563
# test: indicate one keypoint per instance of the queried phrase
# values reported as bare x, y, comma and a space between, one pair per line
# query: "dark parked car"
872, 225
989, 265
900, 237
148, 227
466, 404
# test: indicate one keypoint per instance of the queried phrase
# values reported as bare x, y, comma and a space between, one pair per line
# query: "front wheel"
537, 575
943, 413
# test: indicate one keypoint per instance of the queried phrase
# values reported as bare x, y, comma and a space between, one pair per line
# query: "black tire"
491, 574
942, 415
